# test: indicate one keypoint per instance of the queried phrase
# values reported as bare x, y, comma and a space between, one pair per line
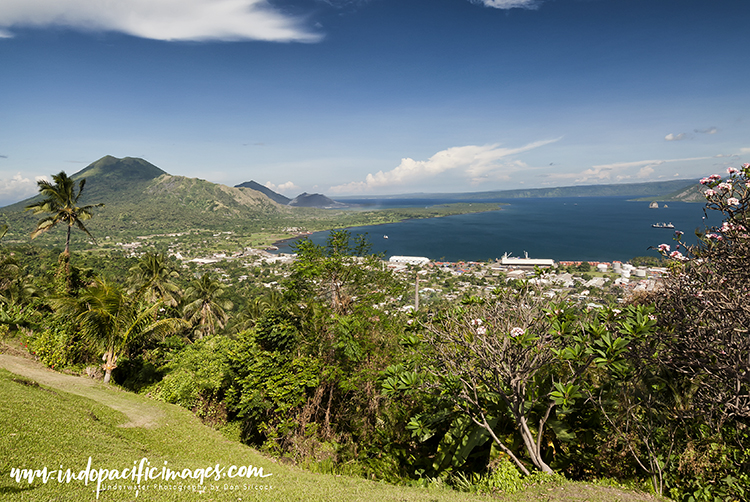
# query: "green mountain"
140, 199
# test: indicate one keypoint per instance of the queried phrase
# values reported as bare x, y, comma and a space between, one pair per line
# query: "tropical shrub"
694, 397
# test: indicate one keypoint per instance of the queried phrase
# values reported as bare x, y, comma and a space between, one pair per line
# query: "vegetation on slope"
328, 363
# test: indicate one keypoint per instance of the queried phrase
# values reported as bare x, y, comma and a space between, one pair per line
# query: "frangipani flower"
724, 187
733, 201
677, 256
516, 332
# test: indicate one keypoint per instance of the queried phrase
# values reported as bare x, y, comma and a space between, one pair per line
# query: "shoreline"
279, 242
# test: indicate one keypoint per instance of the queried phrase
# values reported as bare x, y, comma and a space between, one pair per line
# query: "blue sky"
364, 97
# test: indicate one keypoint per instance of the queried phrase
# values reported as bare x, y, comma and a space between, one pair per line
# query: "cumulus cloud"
710, 130
619, 171
675, 137
590, 174
283, 188
645, 172
508, 4
19, 187
160, 19
476, 162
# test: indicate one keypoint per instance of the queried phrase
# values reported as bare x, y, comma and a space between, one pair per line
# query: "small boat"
385, 237
663, 225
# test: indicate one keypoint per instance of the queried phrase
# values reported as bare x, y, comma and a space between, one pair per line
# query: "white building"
409, 260
511, 261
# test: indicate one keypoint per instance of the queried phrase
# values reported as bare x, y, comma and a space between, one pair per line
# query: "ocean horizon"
561, 228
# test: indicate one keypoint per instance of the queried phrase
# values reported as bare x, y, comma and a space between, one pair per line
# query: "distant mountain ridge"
644, 189
274, 196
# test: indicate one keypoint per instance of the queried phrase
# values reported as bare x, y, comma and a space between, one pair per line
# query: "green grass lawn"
47, 426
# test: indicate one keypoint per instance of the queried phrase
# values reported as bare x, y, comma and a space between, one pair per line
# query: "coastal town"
592, 283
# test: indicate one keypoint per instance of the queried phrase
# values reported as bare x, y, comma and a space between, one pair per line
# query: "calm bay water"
565, 228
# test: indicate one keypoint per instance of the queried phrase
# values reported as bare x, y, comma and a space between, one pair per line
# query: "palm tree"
61, 201
112, 321
152, 280
10, 271
205, 308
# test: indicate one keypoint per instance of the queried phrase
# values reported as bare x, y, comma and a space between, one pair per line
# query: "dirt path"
139, 414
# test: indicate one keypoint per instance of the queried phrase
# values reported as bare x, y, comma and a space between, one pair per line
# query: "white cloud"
744, 150
477, 162
508, 4
619, 171
283, 188
160, 19
710, 130
19, 187
5, 34
593, 173
645, 172
675, 137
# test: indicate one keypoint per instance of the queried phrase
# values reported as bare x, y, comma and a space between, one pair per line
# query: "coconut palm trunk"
110, 363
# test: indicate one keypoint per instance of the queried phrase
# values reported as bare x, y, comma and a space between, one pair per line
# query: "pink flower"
705, 181
677, 256
745, 166
732, 170
516, 332
481, 330
733, 201
724, 187
709, 193
476, 322
714, 177
663, 248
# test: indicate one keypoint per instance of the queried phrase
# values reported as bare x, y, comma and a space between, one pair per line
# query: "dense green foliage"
327, 361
